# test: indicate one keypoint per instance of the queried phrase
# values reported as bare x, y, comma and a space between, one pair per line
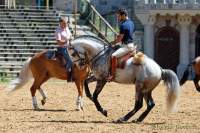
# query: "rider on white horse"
127, 29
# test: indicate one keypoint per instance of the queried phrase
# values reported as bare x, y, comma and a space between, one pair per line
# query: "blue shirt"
127, 28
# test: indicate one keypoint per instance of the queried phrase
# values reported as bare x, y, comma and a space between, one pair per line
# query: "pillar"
149, 36
184, 22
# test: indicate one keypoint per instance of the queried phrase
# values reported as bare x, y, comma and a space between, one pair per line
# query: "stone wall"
65, 5
105, 6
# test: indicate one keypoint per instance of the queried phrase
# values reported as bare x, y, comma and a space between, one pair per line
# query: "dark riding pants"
68, 60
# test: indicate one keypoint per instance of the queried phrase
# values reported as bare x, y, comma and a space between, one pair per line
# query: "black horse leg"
99, 87
138, 106
87, 91
150, 104
196, 80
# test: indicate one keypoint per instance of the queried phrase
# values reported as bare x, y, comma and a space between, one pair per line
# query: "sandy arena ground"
59, 113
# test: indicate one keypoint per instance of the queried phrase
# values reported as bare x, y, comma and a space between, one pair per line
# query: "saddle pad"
121, 62
50, 55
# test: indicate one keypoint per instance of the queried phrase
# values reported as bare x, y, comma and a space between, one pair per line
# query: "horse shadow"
95, 122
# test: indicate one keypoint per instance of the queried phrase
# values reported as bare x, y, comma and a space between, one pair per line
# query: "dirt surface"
59, 113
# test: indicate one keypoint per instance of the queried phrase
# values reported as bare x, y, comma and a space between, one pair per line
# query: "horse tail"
173, 88
24, 76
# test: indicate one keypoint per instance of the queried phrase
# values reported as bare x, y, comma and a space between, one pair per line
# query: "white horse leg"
34, 102
79, 103
43, 101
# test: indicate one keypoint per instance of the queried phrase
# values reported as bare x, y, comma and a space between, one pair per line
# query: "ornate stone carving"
184, 20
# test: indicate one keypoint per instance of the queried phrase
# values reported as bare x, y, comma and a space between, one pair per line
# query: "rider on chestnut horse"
63, 37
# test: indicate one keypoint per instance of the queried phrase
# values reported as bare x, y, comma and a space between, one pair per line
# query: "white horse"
145, 76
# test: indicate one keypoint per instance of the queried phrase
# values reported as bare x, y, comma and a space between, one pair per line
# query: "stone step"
14, 63
10, 59
27, 35
28, 42
27, 38
20, 46
27, 30
27, 27
23, 50
38, 18
28, 10
28, 14
15, 55
10, 68
29, 17
28, 20
25, 23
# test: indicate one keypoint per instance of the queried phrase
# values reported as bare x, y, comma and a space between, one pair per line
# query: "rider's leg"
112, 68
120, 52
68, 60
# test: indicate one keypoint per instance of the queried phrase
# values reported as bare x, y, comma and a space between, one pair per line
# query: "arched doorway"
197, 42
167, 43
2, 2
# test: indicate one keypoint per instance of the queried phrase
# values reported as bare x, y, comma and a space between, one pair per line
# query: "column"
146, 1
184, 22
47, 4
149, 36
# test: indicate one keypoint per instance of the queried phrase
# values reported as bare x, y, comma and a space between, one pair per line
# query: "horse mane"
96, 39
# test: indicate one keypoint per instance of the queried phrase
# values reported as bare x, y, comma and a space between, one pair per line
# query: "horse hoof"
78, 109
37, 109
105, 113
136, 121
120, 120
43, 102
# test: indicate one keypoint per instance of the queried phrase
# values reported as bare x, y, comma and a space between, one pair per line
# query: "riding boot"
69, 76
113, 69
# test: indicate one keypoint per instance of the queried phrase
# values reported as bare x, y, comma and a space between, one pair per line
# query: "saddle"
138, 59
55, 55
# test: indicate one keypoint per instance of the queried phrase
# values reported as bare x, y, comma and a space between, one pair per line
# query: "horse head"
78, 56
85, 48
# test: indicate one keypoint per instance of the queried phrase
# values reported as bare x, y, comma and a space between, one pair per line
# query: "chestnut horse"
195, 64
41, 69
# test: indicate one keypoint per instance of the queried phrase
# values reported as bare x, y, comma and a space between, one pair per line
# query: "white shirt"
63, 34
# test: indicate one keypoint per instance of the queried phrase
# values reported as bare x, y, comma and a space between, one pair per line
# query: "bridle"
78, 53
86, 60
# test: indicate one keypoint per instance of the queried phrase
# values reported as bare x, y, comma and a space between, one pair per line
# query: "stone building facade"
171, 31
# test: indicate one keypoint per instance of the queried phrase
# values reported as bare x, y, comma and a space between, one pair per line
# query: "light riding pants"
124, 50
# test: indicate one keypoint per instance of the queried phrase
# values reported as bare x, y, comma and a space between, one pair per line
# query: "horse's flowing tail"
173, 88
24, 75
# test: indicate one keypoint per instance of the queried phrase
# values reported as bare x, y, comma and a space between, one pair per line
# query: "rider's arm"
120, 36
59, 39
118, 39
61, 42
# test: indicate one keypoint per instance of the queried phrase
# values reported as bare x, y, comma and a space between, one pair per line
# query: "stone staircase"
24, 32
